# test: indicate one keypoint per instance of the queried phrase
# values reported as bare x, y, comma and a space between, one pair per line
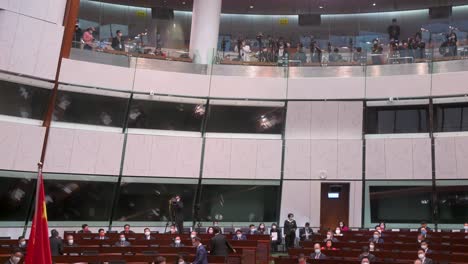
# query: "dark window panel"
245, 119
23, 100
239, 203
78, 200
401, 204
150, 201
397, 119
90, 109
165, 115
16, 195
451, 117
453, 204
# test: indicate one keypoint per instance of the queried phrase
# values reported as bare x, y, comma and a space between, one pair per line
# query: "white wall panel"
350, 116
246, 87
269, 159
217, 160
326, 88
297, 159
324, 120
397, 86
298, 120
50, 44
8, 21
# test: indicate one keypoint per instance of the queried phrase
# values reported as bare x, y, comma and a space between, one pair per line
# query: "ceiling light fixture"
251, 6
374, 4
321, 7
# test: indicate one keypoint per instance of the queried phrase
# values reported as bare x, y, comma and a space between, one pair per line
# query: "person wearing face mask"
181, 259
261, 230
15, 257
425, 246
317, 253
422, 257
172, 230
366, 254
193, 234
365, 260
420, 238
376, 238
239, 235
424, 227
102, 235
331, 237
201, 257
380, 230
383, 226
275, 237
127, 230
219, 246
343, 226
177, 242
465, 228
22, 243
290, 227
329, 246
338, 232
306, 233
84, 229
69, 242
252, 230
122, 241
372, 247
147, 234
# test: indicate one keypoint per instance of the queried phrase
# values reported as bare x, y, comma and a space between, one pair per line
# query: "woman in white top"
245, 52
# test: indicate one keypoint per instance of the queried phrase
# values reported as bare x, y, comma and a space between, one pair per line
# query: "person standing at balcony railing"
88, 38
394, 31
117, 41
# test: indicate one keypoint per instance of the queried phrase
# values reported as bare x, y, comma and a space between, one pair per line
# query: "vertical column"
69, 20
205, 30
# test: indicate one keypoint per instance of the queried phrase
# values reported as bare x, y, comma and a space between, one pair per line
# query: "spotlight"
251, 7
321, 7
374, 4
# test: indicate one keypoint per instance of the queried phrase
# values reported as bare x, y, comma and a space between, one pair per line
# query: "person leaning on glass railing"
88, 38
117, 41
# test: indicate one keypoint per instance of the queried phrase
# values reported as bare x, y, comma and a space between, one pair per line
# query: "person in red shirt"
88, 38
329, 246
343, 226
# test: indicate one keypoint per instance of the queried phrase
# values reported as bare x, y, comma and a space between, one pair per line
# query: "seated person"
343, 226
372, 247
328, 246
376, 238
380, 230
465, 227
423, 258
122, 241
425, 227
22, 243
182, 259
317, 253
172, 230
160, 260
365, 254
425, 246
239, 235
147, 233
365, 260
252, 230
193, 234
69, 242
424, 232
101, 235
177, 242
338, 232
330, 237
301, 259
15, 257
210, 230
383, 226
127, 230
421, 238
417, 261
84, 229
261, 229
306, 233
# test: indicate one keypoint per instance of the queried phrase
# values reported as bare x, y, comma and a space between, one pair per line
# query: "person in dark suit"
127, 230
117, 41
331, 237
201, 256
122, 242
261, 229
290, 227
423, 258
15, 257
84, 229
177, 208
306, 233
365, 254
177, 242
252, 230
376, 238
219, 245
317, 253
423, 228
56, 244
425, 246
102, 235
147, 234
22, 244
275, 237
239, 235
69, 242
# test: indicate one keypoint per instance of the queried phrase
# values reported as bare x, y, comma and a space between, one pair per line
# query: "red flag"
38, 245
